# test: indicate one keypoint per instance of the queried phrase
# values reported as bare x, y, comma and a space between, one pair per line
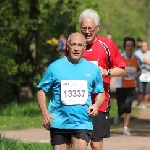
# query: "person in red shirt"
105, 54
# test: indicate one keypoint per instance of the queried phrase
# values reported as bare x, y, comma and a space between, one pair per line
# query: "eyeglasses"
90, 29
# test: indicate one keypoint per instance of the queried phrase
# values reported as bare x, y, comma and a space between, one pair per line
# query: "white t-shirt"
145, 69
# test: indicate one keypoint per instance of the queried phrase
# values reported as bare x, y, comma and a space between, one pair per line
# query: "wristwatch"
109, 72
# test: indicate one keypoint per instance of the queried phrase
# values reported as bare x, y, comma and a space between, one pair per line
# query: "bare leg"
126, 119
78, 144
61, 147
97, 145
145, 99
140, 97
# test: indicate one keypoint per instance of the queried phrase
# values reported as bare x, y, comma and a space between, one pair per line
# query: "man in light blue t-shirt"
144, 79
71, 80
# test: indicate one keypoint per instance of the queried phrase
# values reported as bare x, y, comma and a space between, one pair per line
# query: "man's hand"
104, 72
41, 96
145, 61
46, 120
93, 110
125, 75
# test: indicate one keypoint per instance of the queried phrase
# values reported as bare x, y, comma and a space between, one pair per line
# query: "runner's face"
144, 47
129, 46
76, 47
89, 30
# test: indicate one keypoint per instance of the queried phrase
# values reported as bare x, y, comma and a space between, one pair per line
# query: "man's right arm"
41, 97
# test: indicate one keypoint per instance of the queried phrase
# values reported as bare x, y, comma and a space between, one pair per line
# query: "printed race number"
130, 73
74, 92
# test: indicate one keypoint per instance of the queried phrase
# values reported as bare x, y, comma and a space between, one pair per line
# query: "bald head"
76, 35
76, 45
109, 36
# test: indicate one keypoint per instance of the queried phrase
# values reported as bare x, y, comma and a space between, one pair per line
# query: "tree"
25, 26
18, 30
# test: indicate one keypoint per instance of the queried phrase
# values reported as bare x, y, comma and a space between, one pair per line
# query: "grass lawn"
20, 116
7, 144
27, 115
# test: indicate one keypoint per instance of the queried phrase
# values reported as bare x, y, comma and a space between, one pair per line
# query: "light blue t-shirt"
71, 116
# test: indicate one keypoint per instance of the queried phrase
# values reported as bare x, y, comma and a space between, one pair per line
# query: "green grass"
20, 116
7, 144
27, 115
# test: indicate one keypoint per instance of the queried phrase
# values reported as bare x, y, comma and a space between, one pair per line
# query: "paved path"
139, 139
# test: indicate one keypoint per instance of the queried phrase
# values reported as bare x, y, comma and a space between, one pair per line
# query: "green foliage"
26, 25
11, 144
6, 93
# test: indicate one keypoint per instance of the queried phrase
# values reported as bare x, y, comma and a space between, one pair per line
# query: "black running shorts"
101, 126
125, 97
144, 88
63, 136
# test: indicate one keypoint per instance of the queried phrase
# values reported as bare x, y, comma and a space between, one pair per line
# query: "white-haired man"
104, 53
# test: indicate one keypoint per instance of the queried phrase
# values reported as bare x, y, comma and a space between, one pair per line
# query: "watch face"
109, 72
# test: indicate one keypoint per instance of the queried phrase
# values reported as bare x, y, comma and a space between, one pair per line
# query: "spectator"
109, 36
62, 45
138, 44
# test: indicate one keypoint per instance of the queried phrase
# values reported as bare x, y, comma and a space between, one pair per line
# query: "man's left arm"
99, 99
114, 72
117, 63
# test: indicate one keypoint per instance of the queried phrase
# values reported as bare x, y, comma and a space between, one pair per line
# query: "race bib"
145, 77
130, 73
74, 92
95, 62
